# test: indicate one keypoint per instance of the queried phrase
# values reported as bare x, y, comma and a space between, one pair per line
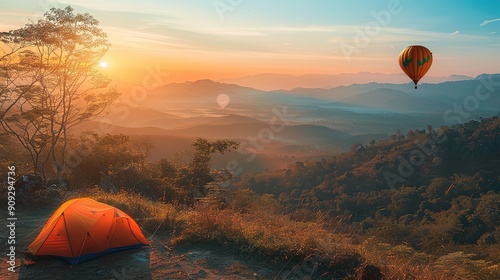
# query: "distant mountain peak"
455, 77
273, 81
488, 76
205, 81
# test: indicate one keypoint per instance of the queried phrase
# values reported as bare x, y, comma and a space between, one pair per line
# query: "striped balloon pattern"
415, 61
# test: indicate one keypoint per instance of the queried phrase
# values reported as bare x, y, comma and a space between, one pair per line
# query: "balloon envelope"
415, 61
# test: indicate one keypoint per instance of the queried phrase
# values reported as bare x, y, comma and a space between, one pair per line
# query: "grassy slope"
254, 224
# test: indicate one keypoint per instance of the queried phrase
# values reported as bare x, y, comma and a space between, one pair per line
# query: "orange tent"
82, 229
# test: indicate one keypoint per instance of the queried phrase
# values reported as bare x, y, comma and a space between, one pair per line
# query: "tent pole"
81, 249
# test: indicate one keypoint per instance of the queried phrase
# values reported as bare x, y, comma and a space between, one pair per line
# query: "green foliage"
115, 163
100, 156
167, 169
441, 217
405, 200
438, 187
488, 209
451, 197
199, 167
51, 82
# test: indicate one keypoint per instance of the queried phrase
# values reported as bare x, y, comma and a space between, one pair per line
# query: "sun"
103, 64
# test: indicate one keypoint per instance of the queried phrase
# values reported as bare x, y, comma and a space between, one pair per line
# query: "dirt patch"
157, 261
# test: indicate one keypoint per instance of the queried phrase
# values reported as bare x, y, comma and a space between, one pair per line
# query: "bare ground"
157, 261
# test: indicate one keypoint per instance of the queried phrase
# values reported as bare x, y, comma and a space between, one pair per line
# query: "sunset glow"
214, 39
282, 139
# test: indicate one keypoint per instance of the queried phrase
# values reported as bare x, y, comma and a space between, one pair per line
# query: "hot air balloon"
415, 62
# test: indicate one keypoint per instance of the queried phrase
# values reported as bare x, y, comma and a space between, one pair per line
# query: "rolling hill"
319, 121
271, 81
395, 101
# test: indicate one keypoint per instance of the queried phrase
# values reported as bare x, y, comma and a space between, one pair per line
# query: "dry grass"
264, 232
259, 232
151, 216
403, 262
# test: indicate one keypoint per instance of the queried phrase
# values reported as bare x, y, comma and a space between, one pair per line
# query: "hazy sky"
194, 39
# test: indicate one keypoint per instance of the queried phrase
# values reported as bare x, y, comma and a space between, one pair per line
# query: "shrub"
150, 215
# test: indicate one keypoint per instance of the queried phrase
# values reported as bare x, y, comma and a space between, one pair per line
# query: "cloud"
318, 29
142, 40
455, 33
489, 21
116, 6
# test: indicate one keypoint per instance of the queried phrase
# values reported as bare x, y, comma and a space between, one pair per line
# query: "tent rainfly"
82, 229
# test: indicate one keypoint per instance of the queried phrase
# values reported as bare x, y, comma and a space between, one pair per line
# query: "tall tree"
50, 81
198, 173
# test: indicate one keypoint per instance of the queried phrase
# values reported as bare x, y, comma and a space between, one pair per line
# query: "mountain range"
311, 121
270, 81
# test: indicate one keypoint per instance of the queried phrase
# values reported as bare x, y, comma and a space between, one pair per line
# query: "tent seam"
48, 235
67, 234
133, 233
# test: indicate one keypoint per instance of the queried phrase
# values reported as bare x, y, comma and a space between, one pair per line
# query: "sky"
214, 39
